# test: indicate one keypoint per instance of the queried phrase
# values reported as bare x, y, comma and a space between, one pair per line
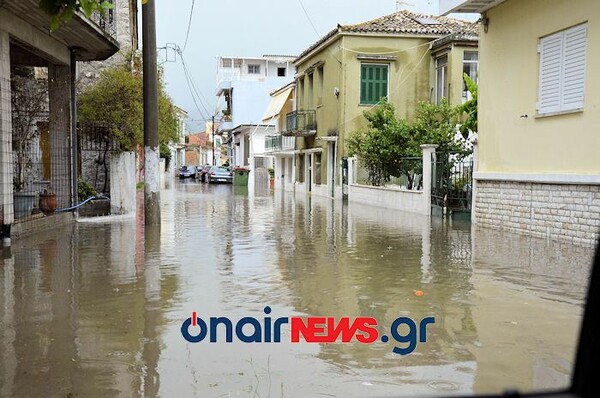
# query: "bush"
85, 190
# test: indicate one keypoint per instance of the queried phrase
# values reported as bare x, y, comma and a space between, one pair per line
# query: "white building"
244, 85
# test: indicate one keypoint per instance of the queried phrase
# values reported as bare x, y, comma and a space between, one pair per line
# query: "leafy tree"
60, 11
389, 146
116, 99
469, 108
436, 124
381, 144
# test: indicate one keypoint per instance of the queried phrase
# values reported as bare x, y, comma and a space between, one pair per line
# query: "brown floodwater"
96, 309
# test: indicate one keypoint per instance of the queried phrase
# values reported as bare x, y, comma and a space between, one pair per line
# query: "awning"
276, 104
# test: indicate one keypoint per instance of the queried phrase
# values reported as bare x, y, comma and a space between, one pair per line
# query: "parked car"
202, 172
187, 172
219, 174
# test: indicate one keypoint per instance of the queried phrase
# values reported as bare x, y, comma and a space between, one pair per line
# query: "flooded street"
86, 311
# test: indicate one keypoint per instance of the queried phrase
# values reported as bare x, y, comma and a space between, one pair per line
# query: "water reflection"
95, 309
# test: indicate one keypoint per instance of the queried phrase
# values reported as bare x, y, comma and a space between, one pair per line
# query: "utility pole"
212, 126
151, 152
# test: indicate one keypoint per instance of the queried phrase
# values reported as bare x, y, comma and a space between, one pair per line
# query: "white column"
428, 155
474, 183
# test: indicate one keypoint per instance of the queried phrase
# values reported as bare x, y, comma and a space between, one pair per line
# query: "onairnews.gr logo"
313, 329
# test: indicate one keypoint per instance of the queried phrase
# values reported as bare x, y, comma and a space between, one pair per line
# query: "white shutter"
562, 70
551, 55
574, 68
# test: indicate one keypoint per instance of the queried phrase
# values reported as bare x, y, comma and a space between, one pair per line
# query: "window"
253, 69
373, 83
310, 91
320, 78
281, 72
300, 93
441, 73
470, 65
562, 70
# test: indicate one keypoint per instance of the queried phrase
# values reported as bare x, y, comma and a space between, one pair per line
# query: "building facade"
404, 57
537, 168
243, 87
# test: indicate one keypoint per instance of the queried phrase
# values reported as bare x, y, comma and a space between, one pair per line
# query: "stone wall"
127, 38
557, 211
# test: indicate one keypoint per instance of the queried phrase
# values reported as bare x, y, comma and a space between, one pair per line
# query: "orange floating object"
419, 293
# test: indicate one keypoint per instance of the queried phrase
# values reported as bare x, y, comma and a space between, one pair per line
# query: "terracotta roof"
405, 23
200, 139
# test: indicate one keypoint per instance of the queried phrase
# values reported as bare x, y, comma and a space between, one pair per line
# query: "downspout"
74, 142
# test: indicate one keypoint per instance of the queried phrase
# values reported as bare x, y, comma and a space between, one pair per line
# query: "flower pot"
272, 183
48, 203
23, 204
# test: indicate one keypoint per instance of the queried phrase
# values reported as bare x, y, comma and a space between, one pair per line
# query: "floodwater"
92, 310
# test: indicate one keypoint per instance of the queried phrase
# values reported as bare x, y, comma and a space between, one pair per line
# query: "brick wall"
560, 212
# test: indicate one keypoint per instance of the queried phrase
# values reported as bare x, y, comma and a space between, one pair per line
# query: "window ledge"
550, 114
372, 57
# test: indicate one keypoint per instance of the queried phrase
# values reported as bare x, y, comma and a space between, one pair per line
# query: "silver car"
219, 174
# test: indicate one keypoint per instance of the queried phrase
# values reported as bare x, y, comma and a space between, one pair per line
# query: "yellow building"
538, 167
404, 56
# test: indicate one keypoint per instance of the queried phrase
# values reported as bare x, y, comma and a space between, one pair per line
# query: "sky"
248, 28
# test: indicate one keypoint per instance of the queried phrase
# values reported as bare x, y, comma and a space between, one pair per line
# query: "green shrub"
85, 190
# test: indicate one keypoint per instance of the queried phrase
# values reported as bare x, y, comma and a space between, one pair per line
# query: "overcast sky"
250, 28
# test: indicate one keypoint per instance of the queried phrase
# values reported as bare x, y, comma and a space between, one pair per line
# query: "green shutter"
373, 83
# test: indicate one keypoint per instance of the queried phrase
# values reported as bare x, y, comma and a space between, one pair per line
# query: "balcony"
279, 143
94, 37
301, 124
106, 20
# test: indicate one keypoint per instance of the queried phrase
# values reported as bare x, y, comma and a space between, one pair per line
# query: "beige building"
405, 57
538, 169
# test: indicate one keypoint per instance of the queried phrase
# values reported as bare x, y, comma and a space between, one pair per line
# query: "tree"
60, 11
381, 144
469, 108
116, 99
392, 147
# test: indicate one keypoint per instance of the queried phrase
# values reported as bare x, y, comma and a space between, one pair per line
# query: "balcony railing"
278, 143
301, 123
107, 19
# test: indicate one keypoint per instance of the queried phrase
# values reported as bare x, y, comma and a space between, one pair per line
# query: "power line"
187, 79
187, 35
191, 82
309, 20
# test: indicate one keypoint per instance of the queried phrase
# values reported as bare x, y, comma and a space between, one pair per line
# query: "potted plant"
47, 202
29, 98
272, 178
227, 115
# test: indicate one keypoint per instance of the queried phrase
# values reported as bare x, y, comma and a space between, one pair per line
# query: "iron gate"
452, 182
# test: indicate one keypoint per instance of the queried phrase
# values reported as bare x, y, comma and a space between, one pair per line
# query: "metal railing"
107, 19
452, 181
277, 142
301, 123
410, 174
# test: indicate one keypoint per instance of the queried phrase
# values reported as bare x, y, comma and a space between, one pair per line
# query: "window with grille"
253, 69
373, 83
562, 71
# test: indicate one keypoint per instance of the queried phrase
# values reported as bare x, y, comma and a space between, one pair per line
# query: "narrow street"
86, 311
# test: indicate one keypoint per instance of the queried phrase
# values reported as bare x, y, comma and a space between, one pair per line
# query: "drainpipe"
74, 143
